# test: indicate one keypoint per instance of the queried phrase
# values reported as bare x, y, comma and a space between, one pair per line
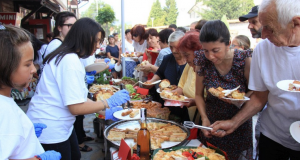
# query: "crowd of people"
206, 56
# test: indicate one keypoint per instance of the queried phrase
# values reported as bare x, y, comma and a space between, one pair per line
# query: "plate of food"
131, 55
173, 96
289, 85
149, 83
295, 130
232, 94
127, 114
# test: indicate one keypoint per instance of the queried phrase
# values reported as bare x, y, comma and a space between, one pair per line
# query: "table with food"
165, 134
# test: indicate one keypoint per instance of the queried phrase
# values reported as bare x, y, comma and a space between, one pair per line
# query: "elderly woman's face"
273, 31
189, 56
174, 50
215, 51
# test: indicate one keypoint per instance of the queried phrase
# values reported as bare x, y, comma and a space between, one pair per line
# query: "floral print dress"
241, 139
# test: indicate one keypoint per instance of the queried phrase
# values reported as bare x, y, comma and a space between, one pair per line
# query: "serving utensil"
229, 91
190, 125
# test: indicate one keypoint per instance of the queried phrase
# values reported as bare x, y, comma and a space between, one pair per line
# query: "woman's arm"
110, 56
87, 107
200, 103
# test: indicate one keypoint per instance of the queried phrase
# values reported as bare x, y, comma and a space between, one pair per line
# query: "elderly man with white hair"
274, 59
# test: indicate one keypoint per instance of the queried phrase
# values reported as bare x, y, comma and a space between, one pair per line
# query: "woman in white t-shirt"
128, 42
140, 40
61, 93
17, 133
63, 23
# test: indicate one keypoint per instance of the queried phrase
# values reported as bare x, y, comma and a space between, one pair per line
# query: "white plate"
175, 100
295, 130
284, 85
150, 84
118, 115
232, 99
98, 67
158, 90
122, 55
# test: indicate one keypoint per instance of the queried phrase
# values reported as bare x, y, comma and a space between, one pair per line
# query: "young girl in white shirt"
62, 94
17, 134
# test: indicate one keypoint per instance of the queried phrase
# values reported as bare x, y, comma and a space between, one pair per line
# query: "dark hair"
173, 26
200, 24
182, 29
81, 39
190, 41
114, 34
11, 38
164, 35
49, 35
127, 31
243, 41
213, 31
60, 19
109, 37
36, 44
139, 30
152, 32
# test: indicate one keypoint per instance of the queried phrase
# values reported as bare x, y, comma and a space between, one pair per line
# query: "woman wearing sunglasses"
63, 23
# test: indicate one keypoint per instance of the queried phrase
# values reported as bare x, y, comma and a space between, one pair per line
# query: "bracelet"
104, 104
38, 157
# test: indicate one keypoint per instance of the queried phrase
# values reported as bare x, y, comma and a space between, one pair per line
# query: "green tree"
106, 15
91, 12
171, 12
231, 8
158, 14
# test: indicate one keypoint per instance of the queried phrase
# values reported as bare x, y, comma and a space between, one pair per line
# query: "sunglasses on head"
135, 35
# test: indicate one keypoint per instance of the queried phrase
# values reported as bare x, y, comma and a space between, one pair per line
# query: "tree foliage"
91, 12
158, 14
171, 12
231, 8
105, 14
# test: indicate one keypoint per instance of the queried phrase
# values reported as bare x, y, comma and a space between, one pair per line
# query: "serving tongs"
122, 86
229, 91
190, 125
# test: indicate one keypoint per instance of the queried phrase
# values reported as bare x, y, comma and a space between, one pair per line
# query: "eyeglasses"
232, 45
69, 25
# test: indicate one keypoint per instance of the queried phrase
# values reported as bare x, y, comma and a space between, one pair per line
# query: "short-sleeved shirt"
17, 134
271, 64
114, 51
169, 69
187, 81
161, 55
60, 86
138, 47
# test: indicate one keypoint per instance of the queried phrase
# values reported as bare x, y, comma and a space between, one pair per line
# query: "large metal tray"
132, 124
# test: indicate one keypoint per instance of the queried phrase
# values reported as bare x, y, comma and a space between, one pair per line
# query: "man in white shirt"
274, 59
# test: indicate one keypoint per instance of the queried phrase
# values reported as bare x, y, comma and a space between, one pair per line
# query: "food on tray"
199, 153
127, 80
154, 109
97, 87
127, 54
172, 95
102, 94
295, 86
217, 92
170, 88
159, 133
126, 113
164, 84
136, 96
134, 113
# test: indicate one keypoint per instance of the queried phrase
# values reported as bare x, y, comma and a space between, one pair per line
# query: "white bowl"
118, 68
